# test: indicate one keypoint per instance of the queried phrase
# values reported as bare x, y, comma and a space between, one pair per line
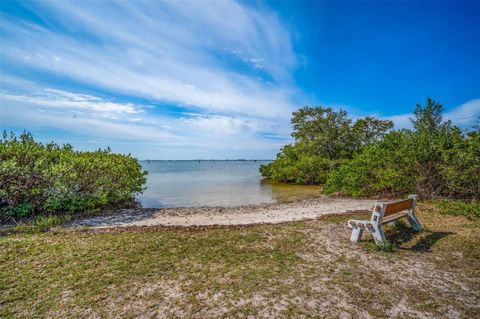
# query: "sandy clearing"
240, 215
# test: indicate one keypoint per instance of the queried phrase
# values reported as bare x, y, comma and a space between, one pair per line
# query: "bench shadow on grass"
402, 233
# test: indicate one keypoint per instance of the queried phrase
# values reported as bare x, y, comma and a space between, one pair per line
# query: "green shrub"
38, 178
460, 166
296, 167
384, 168
21, 210
324, 139
435, 159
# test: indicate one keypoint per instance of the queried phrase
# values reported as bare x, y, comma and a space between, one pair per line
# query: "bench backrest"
387, 209
397, 207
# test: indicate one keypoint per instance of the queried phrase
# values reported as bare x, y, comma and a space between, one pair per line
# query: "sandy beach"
238, 215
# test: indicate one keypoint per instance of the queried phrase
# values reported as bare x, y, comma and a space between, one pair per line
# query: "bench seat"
394, 217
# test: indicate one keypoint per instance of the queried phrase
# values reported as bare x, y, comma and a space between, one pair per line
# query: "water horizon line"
207, 160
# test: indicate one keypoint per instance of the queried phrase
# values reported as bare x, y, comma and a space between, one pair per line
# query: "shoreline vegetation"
366, 157
49, 184
207, 160
38, 179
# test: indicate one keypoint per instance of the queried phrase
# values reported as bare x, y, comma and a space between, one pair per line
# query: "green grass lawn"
301, 269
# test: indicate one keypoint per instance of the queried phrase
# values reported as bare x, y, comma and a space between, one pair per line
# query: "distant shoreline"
206, 160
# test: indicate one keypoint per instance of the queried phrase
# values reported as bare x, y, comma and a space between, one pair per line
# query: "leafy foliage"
323, 140
333, 135
382, 168
295, 166
435, 159
428, 119
460, 167
36, 178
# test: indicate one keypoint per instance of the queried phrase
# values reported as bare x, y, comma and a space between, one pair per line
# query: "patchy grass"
300, 269
37, 225
469, 209
386, 246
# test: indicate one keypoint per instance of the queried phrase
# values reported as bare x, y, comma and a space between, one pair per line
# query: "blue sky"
188, 80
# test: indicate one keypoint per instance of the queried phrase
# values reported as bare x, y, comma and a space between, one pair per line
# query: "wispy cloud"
74, 101
466, 114
88, 120
94, 117
228, 65
179, 52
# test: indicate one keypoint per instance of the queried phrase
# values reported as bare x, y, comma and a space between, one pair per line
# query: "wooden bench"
384, 213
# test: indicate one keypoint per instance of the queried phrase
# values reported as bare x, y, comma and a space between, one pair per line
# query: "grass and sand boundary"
236, 215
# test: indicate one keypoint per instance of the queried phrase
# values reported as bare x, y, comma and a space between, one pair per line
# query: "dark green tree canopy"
369, 130
332, 134
428, 118
364, 157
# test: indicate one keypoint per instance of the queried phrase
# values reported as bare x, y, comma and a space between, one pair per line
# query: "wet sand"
239, 215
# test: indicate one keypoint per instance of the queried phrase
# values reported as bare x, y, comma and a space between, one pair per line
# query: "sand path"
240, 215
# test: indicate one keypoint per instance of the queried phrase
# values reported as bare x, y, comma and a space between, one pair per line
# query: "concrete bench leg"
356, 235
413, 220
378, 235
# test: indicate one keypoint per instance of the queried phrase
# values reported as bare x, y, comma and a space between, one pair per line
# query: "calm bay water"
214, 183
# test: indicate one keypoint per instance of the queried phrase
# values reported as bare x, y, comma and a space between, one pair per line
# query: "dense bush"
37, 178
460, 167
324, 139
383, 168
292, 166
435, 159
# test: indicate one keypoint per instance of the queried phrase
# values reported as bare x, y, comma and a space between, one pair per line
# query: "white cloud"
230, 64
216, 124
71, 101
466, 114
400, 121
23, 114
93, 117
168, 51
